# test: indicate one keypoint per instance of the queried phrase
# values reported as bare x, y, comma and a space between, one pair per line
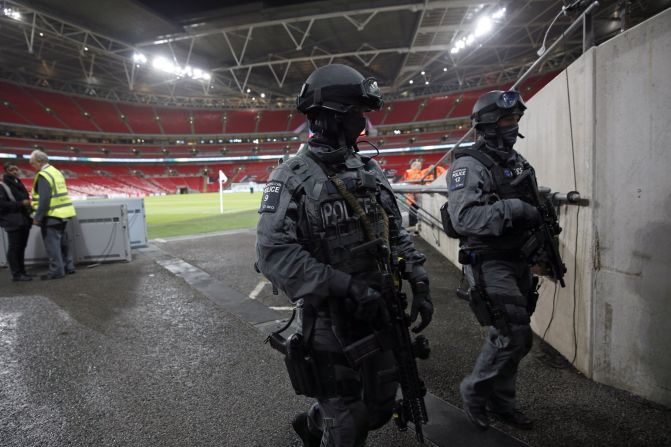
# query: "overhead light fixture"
444, 68
423, 72
249, 90
139, 58
263, 95
12, 13
41, 34
426, 82
163, 64
411, 82
86, 48
483, 26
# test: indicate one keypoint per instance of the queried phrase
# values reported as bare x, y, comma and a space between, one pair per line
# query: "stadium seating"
105, 114
175, 121
208, 131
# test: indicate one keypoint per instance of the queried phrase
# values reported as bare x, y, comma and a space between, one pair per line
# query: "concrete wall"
632, 185
600, 127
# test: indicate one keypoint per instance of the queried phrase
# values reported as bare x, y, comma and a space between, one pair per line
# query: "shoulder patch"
271, 196
458, 179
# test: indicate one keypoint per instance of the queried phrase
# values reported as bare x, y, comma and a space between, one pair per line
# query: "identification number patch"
271, 197
458, 179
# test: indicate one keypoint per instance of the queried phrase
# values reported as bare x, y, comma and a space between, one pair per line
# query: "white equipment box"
137, 218
99, 233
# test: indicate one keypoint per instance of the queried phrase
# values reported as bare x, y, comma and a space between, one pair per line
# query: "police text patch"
458, 180
271, 197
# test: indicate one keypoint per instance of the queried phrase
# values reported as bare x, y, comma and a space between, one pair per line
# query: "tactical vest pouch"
447, 223
300, 365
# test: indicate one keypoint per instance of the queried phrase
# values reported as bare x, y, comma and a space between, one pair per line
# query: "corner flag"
222, 179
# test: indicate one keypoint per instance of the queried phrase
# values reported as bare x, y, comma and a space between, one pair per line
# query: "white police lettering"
519, 170
458, 180
337, 211
271, 197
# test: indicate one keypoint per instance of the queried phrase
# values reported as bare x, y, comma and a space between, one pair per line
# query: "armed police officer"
492, 216
318, 210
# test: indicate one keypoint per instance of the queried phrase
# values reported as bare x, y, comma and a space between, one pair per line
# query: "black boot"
515, 418
477, 416
300, 425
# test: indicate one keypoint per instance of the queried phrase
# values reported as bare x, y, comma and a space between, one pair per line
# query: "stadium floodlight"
263, 95
163, 64
139, 58
483, 27
249, 90
411, 82
499, 14
12, 13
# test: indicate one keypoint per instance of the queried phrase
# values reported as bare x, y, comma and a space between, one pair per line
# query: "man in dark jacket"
15, 219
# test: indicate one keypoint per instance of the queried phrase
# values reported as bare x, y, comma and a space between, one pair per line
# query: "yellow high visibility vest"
60, 205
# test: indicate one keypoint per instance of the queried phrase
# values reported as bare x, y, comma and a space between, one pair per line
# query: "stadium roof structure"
256, 54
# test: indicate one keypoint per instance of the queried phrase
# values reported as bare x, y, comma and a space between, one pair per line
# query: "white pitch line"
281, 307
259, 287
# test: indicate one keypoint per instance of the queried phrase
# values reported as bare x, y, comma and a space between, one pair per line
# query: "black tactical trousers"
492, 381
16, 248
356, 400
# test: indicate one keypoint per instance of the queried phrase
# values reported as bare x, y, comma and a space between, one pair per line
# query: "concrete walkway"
168, 350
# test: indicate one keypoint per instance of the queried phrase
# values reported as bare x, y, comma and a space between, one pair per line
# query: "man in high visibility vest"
53, 209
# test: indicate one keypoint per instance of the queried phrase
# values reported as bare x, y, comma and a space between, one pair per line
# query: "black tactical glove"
367, 302
421, 304
525, 215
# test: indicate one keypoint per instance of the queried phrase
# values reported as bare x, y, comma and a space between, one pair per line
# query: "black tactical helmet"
338, 87
494, 105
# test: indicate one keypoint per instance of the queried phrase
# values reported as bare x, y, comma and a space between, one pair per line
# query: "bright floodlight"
499, 14
163, 64
263, 95
483, 27
139, 58
12, 13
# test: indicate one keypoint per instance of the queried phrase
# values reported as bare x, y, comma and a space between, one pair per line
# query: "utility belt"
490, 310
477, 257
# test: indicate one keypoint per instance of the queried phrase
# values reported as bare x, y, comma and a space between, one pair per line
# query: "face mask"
507, 134
353, 123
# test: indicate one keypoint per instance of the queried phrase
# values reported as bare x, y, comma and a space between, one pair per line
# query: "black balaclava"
335, 134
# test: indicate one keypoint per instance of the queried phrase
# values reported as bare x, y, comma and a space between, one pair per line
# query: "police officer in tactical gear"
307, 237
491, 215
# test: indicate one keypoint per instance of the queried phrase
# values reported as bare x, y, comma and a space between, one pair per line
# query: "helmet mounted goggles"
503, 104
341, 97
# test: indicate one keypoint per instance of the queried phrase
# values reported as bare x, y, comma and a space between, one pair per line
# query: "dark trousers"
17, 241
493, 379
56, 245
363, 399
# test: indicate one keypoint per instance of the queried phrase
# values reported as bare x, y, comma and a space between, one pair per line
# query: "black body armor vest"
503, 174
328, 227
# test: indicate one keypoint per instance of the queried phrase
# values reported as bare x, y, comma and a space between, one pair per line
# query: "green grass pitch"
179, 215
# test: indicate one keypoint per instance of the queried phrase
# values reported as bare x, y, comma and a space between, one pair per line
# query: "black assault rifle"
543, 245
396, 336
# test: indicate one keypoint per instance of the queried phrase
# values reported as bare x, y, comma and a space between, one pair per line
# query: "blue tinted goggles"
510, 99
